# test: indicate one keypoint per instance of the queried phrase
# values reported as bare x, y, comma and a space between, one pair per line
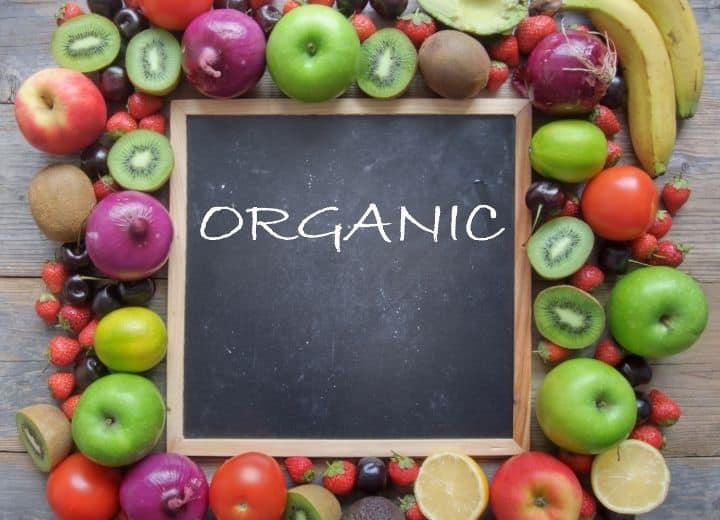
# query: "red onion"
224, 53
164, 486
567, 73
128, 235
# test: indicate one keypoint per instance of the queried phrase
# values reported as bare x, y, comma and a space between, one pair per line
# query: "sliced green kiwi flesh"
45, 433
311, 502
86, 43
141, 160
560, 247
153, 60
387, 64
568, 316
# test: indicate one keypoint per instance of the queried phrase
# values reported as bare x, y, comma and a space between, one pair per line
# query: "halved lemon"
631, 478
451, 486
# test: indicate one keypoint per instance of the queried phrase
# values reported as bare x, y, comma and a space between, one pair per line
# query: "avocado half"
481, 17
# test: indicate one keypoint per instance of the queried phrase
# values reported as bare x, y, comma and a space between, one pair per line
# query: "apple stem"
312, 49
208, 57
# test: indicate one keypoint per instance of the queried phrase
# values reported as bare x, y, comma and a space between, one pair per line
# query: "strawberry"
418, 26
409, 506
571, 207
588, 511
61, 385
339, 477
499, 73
551, 353
155, 122
141, 105
614, 154
364, 26
661, 226
289, 6
69, 405
121, 123
47, 307
67, 11
328, 3
665, 411
300, 469
73, 318
608, 352
506, 50
675, 194
668, 253
588, 277
54, 275
643, 247
402, 470
532, 30
606, 120
579, 463
104, 186
62, 350
87, 335
649, 433
133, 3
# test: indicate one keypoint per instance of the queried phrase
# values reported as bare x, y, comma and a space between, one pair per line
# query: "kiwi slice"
45, 433
141, 160
568, 316
153, 61
311, 502
387, 64
86, 43
560, 247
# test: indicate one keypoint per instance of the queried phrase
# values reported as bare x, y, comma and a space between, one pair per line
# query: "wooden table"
692, 378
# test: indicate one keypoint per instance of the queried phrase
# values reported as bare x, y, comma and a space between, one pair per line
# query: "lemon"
451, 486
131, 339
631, 478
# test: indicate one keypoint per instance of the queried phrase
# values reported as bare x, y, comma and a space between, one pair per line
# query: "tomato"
250, 486
620, 203
174, 15
79, 489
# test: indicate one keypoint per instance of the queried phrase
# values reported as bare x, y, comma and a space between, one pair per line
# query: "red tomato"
250, 486
620, 203
328, 3
79, 489
174, 15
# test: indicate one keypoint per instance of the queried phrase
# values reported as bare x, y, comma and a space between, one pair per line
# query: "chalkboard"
348, 278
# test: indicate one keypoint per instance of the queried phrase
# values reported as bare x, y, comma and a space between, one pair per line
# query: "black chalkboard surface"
349, 279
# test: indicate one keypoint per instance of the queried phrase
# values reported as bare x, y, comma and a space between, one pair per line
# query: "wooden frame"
520, 441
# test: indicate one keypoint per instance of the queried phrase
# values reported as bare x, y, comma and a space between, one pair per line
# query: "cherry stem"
208, 57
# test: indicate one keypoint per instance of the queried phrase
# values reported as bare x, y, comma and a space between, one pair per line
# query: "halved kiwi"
560, 247
387, 64
45, 433
86, 43
141, 160
568, 316
311, 502
153, 60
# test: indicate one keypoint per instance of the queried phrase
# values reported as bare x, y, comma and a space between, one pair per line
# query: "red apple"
535, 486
60, 111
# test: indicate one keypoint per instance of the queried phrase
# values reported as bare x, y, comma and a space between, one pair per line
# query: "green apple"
119, 419
312, 53
585, 406
657, 311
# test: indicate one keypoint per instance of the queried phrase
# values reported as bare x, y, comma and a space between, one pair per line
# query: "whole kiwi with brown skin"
454, 64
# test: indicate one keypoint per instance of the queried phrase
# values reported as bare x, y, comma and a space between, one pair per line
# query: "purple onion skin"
553, 88
164, 486
223, 53
128, 235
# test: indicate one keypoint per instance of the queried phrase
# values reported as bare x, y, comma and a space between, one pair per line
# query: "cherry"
130, 22
74, 256
114, 83
636, 370
77, 290
93, 160
348, 7
544, 195
266, 17
644, 408
106, 300
137, 293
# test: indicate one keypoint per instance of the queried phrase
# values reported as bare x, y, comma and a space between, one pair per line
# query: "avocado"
481, 17
373, 508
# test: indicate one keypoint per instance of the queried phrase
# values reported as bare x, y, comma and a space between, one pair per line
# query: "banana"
679, 29
647, 72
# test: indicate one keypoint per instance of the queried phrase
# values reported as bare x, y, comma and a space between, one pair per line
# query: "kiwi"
86, 43
454, 64
560, 247
373, 508
45, 433
141, 160
311, 502
568, 316
387, 65
61, 198
153, 61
